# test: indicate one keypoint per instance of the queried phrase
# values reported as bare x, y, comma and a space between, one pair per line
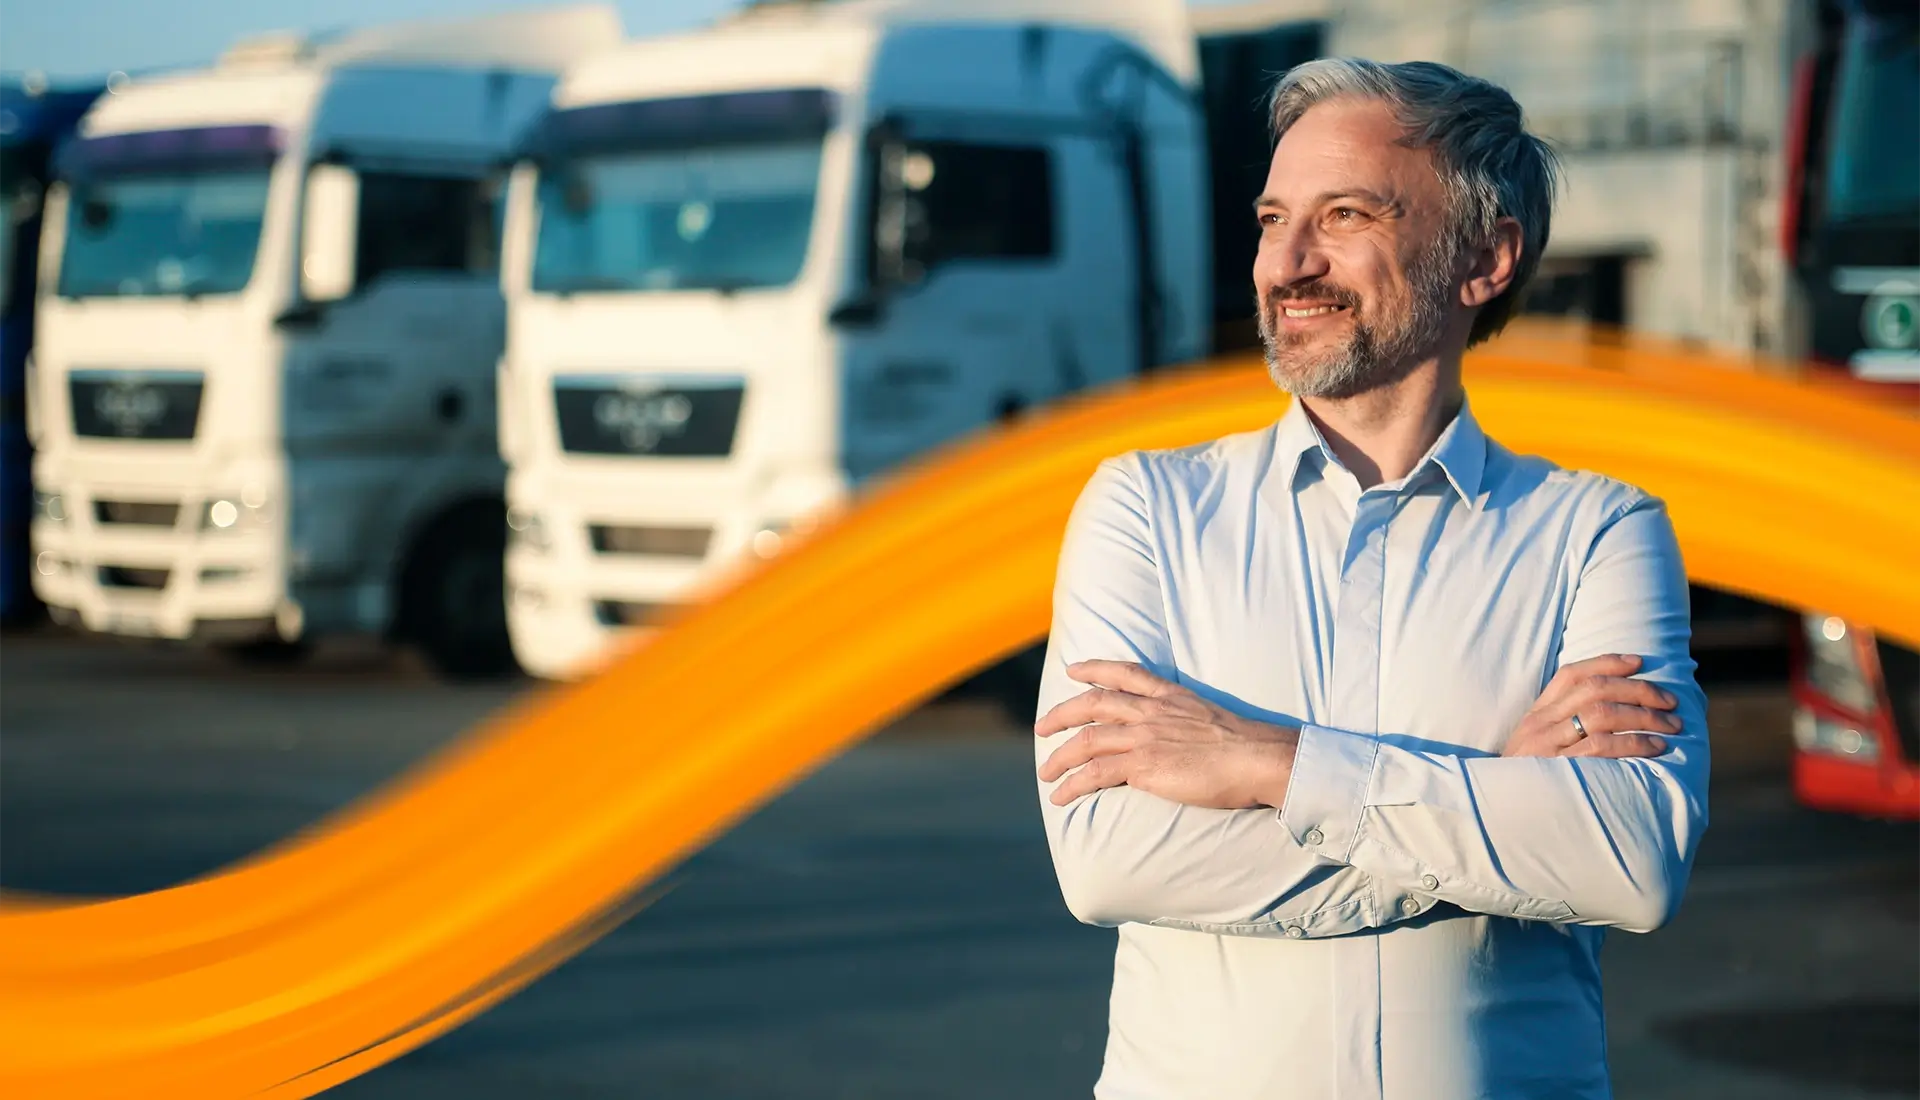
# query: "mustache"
1316, 290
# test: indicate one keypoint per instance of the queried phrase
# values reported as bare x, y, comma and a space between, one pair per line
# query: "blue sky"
94, 37
81, 38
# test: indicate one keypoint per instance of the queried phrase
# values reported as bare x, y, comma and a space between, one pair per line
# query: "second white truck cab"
263, 399
751, 267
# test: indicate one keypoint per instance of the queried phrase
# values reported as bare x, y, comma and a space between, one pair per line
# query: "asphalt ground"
890, 928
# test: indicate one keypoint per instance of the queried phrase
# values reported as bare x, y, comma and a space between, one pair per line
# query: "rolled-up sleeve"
1127, 856
1569, 839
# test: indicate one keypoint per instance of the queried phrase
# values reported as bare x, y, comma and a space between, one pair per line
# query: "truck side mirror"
899, 249
329, 228
900, 222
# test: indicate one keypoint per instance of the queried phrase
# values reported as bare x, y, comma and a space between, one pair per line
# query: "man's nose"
1288, 255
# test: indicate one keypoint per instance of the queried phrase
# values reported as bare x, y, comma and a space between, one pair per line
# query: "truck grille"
135, 404
136, 513
126, 576
1900, 671
666, 542
647, 417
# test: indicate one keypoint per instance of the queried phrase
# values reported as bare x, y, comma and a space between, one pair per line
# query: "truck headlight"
51, 507
768, 540
238, 510
1830, 738
773, 536
525, 528
1833, 663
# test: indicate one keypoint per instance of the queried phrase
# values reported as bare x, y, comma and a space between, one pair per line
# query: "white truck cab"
751, 267
262, 402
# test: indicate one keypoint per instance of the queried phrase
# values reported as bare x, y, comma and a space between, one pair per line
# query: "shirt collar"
1460, 452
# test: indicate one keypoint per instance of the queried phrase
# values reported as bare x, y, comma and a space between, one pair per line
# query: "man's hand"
1621, 716
1143, 732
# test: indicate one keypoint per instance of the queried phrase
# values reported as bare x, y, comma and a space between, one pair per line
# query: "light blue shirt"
1422, 919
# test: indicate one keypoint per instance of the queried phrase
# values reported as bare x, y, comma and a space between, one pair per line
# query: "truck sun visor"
781, 114
172, 150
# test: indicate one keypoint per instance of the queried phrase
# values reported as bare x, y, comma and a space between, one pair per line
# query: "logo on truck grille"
131, 407
642, 420
135, 404
689, 417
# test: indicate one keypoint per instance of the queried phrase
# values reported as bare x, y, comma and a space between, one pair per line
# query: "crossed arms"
1167, 809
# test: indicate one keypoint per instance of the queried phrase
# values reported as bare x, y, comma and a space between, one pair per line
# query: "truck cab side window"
419, 224
979, 202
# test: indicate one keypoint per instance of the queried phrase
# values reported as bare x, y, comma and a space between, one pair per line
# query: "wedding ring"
1578, 726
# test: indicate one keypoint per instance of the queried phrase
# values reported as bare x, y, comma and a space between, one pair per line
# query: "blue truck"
34, 120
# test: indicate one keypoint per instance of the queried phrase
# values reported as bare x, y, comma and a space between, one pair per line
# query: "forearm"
1126, 856
1576, 840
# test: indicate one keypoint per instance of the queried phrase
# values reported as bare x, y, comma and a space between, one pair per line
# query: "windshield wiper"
725, 287
589, 283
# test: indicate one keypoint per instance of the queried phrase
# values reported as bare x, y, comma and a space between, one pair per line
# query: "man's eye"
1347, 215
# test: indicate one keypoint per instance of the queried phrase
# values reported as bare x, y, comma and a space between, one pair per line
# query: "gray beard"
1374, 355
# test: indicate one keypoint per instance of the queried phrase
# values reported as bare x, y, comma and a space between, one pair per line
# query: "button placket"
1354, 702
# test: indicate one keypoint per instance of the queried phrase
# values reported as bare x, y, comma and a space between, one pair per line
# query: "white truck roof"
1158, 27
276, 77
539, 39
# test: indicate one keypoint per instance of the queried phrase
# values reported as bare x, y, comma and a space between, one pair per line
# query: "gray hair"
1489, 164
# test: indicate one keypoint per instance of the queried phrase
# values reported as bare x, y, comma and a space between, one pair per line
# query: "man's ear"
1493, 265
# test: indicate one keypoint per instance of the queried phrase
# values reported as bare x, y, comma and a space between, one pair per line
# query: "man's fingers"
1618, 746
1597, 694
1122, 676
1624, 718
1093, 705
1564, 733
1628, 718
1098, 774
1119, 691
1092, 742
1617, 689
1570, 677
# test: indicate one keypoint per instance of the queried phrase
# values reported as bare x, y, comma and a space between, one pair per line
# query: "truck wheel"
453, 597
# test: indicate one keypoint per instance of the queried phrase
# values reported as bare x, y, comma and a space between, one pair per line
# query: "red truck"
1852, 237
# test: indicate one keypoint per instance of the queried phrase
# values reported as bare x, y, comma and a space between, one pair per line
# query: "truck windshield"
726, 217
1874, 171
186, 233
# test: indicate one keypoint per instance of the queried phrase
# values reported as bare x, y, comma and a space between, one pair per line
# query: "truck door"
396, 377
399, 366
960, 333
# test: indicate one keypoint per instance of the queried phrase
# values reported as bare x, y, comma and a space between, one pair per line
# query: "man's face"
1355, 276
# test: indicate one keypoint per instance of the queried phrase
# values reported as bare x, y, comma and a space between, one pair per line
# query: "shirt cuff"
1327, 791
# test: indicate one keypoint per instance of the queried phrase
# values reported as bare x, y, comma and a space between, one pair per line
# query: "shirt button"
1430, 882
1315, 837
1294, 932
1409, 906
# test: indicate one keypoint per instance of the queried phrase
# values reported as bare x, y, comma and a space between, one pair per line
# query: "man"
1386, 724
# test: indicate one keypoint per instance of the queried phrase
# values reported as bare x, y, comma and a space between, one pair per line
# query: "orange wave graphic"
432, 899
